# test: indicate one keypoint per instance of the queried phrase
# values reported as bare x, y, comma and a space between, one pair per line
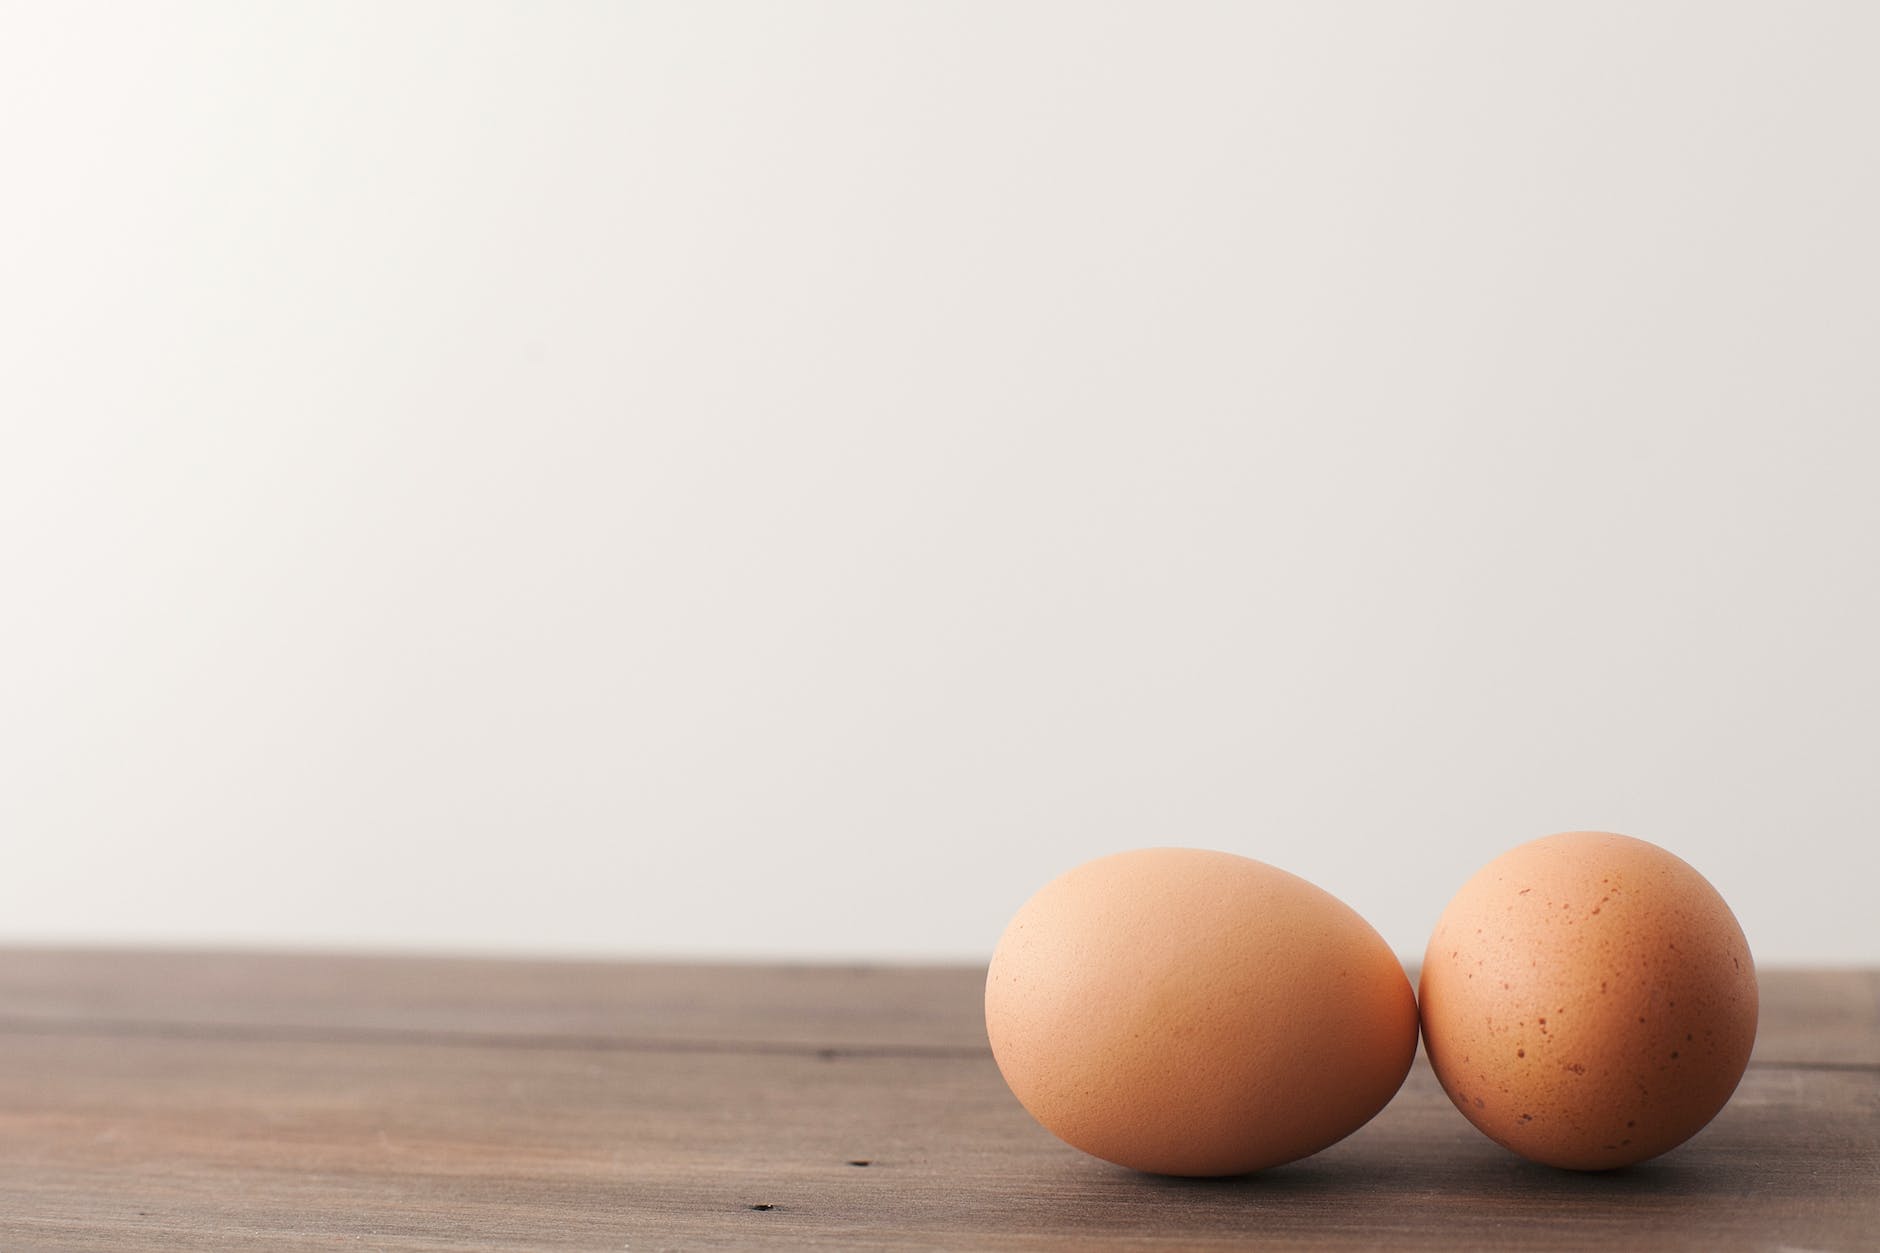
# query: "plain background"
786, 480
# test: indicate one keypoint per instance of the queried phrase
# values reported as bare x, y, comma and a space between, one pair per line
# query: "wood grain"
238, 1102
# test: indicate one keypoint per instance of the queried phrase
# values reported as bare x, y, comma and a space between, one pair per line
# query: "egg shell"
1189, 1012
1588, 1000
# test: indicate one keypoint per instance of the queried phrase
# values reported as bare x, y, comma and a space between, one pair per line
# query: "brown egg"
1588, 1000
1196, 1013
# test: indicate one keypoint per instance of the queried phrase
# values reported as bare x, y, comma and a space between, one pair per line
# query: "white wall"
788, 479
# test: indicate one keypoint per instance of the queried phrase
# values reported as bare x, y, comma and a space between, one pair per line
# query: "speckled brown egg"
1588, 1000
1189, 1012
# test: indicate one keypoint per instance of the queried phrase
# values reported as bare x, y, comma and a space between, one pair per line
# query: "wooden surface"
266, 1102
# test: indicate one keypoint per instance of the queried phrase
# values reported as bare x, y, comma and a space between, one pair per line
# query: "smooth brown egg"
1588, 1000
1196, 1013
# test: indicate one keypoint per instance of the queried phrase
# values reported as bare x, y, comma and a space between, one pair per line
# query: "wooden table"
226, 1101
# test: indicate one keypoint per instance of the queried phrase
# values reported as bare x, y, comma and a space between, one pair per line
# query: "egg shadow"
1716, 1167
1419, 1163
1308, 1177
